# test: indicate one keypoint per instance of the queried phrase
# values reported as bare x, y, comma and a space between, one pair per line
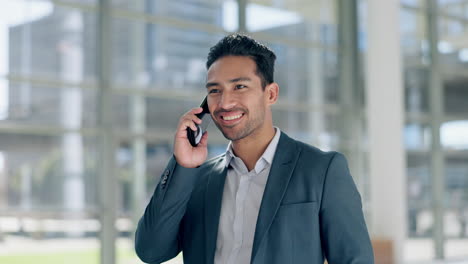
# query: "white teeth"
231, 117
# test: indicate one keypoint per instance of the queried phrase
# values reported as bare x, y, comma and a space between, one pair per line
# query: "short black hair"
243, 45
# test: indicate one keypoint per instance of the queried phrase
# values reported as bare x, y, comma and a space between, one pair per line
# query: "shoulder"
312, 156
312, 152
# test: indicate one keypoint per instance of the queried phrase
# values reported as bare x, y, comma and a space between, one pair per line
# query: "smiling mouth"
229, 118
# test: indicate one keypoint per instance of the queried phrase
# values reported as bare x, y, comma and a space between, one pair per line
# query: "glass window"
416, 81
454, 64
419, 187
414, 40
83, 2
456, 196
313, 21
318, 128
159, 57
48, 193
32, 104
456, 95
48, 170
308, 76
48, 42
413, 3
49, 103
451, 46
417, 136
454, 135
218, 13
37, 164
457, 8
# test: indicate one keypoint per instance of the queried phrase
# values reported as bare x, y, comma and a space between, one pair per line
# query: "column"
436, 106
385, 118
107, 177
71, 56
140, 71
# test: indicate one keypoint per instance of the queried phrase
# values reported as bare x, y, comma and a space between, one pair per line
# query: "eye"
240, 86
213, 91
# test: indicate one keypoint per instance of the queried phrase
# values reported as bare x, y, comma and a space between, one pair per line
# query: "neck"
251, 148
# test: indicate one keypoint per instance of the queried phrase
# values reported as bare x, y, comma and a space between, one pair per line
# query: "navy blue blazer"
310, 211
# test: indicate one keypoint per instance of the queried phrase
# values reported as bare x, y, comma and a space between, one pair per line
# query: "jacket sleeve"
343, 230
158, 234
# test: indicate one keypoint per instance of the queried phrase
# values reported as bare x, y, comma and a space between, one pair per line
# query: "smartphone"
194, 137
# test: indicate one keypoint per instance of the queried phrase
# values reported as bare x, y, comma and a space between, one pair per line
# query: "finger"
197, 110
188, 119
204, 140
192, 116
191, 124
196, 119
184, 124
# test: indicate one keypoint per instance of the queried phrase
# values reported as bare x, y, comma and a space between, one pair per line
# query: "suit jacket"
311, 210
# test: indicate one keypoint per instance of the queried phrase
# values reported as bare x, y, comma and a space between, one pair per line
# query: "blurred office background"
91, 92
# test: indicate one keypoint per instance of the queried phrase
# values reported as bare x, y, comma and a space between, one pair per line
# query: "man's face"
236, 99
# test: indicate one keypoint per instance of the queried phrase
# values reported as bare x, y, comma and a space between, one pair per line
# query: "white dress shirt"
242, 196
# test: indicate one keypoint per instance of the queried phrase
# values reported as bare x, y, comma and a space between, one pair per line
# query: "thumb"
204, 140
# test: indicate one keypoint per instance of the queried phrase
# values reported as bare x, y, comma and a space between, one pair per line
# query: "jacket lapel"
282, 167
213, 199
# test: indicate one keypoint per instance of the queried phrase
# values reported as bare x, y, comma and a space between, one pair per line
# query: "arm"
158, 235
342, 227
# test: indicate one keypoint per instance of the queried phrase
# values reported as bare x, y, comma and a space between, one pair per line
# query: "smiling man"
269, 199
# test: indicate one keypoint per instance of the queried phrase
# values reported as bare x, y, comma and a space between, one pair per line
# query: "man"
269, 199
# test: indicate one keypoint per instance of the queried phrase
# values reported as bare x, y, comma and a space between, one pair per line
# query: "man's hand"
186, 155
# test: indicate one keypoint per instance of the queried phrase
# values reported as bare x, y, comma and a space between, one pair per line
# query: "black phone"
194, 137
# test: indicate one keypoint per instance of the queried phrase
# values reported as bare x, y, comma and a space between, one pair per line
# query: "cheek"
256, 106
262, 101
211, 104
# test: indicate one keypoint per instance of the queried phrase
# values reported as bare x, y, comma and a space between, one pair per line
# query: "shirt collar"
267, 156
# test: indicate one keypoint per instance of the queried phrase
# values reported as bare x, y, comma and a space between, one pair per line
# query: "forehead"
230, 67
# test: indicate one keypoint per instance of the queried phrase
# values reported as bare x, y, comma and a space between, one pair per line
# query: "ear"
272, 92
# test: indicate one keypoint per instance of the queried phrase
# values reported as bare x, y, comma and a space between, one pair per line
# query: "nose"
227, 101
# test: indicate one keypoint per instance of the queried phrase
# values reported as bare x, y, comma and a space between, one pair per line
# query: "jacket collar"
213, 199
281, 171
267, 155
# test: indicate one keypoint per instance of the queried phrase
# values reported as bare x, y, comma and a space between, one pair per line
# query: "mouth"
230, 118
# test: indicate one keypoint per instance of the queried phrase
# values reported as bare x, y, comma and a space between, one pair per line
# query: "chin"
229, 135
235, 135
237, 132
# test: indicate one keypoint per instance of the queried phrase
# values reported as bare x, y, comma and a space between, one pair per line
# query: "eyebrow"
239, 79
